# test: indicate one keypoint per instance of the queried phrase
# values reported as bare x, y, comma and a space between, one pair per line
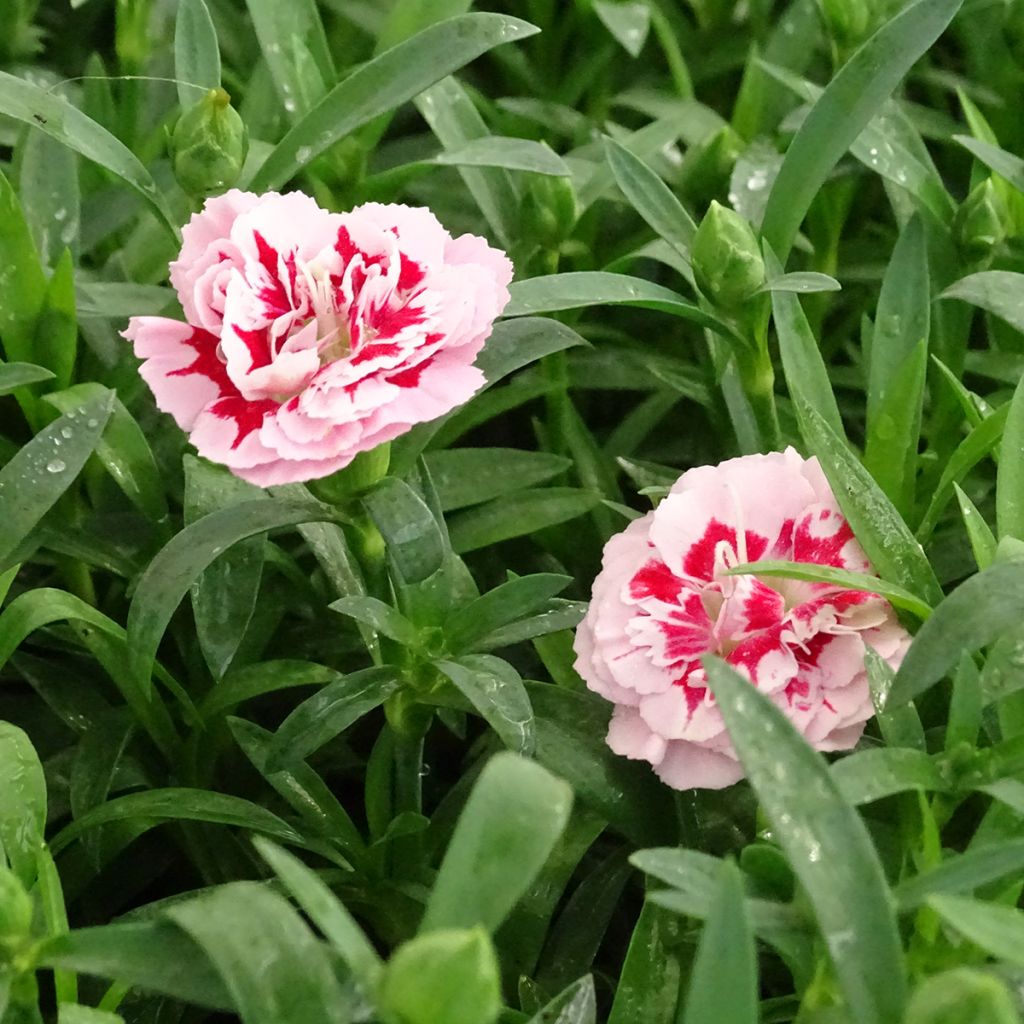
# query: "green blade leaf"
651, 198
170, 574
17, 375
649, 983
22, 802
511, 821
275, 969
40, 108
380, 617
997, 929
384, 83
1004, 164
196, 52
870, 775
45, 468
723, 984
975, 614
470, 476
496, 690
1010, 478
963, 872
329, 712
629, 23
848, 103
510, 153
154, 955
575, 1005
50, 197
557, 292
997, 291
827, 844
891, 547
415, 543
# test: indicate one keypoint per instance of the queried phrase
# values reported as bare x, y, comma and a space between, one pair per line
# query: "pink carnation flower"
313, 336
661, 601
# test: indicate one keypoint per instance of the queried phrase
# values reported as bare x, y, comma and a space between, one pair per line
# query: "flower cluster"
662, 600
314, 336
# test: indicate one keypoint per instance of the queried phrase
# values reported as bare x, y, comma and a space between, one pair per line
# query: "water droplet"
289, 105
303, 153
56, 466
66, 432
757, 180
59, 214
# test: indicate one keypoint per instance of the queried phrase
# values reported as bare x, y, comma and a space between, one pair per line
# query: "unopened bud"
848, 21
962, 996
550, 210
15, 913
209, 146
726, 258
450, 976
981, 220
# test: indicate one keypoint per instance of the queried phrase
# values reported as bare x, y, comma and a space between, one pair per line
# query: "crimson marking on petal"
389, 322
763, 607
411, 276
655, 579
248, 416
822, 550
749, 653
257, 344
375, 351
274, 295
700, 559
784, 542
206, 364
409, 378
344, 246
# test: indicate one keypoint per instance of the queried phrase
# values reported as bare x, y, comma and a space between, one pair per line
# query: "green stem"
758, 377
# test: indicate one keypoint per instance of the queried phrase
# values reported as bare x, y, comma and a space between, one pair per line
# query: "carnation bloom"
661, 601
313, 336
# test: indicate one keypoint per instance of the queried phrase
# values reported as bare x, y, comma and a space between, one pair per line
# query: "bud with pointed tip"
15, 913
726, 258
848, 21
209, 145
450, 976
980, 223
964, 995
550, 209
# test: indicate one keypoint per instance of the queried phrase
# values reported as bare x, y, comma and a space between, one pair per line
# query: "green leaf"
470, 476
651, 198
383, 83
317, 901
154, 955
851, 99
971, 450
515, 814
320, 718
17, 375
570, 728
48, 186
518, 514
123, 449
576, 1005
44, 109
512, 601
196, 52
179, 563
1010, 478
628, 22
380, 617
649, 983
117, 299
983, 540
557, 292
55, 918
971, 617
881, 531
827, 844
997, 929
45, 468
251, 681
723, 984
72, 1014
275, 969
802, 363
839, 577
870, 775
515, 344
804, 282
997, 291
224, 596
496, 690
22, 802
963, 872
510, 153
1004, 164
23, 290
897, 368
415, 543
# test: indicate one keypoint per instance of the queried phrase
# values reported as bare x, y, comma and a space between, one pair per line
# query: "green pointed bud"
450, 976
15, 913
209, 146
727, 261
962, 996
366, 470
848, 21
550, 210
980, 223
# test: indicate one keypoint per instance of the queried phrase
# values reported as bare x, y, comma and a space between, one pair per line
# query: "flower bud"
449, 976
550, 210
366, 470
727, 261
848, 21
15, 913
209, 145
980, 221
962, 996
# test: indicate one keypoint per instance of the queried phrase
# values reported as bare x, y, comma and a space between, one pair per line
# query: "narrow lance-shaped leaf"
22, 801
848, 103
827, 844
1010, 477
196, 52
